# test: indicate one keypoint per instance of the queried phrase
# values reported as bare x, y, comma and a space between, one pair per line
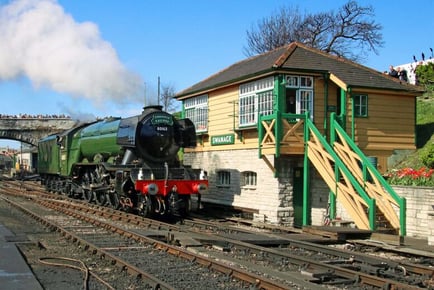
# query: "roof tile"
298, 57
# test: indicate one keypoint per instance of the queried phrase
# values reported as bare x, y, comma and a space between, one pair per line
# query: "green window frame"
360, 105
303, 85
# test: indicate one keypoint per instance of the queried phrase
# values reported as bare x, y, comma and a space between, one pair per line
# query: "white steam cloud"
38, 40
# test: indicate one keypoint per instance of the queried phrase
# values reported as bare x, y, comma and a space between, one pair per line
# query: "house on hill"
267, 136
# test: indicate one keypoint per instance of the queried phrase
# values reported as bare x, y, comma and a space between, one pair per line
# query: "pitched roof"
298, 57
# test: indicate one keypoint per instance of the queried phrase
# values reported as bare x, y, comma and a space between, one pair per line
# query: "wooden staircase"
355, 182
352, 179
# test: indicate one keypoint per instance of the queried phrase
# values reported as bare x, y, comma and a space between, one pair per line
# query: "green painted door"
298, 196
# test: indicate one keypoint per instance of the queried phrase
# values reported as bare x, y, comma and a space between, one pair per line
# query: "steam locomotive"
130, 163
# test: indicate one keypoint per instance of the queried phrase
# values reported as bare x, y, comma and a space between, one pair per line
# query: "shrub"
412, 177
425, 76
427, 156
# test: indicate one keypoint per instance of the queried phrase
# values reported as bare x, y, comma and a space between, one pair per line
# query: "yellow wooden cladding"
220, 111
390, 123
389, 126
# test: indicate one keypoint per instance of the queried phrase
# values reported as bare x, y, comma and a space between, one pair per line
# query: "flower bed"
411, 177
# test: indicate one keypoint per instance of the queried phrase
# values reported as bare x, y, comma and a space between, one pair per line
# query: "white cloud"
40, 41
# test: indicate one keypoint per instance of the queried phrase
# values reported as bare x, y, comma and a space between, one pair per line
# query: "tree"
167, 98
273, 32
350, 32
425, 76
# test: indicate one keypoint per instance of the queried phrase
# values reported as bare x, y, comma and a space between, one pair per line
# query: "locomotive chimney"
153, 108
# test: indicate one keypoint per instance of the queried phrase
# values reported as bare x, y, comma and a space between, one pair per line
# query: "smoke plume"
38, 40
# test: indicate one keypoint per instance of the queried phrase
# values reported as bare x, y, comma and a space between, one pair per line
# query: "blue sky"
101, 58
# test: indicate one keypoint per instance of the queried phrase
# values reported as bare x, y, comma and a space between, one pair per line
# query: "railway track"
158, 264
318, 264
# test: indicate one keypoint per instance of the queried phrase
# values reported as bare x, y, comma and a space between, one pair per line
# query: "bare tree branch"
350, 32
167, 97
273, 32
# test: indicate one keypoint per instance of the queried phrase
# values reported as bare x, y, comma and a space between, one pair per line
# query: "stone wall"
420, 202
319, 197
420, 207
271, 201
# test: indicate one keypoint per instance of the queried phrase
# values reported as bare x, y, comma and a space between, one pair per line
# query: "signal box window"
360, 105
255, 98
196, 109
299, 94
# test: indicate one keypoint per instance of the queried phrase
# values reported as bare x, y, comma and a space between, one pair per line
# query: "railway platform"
14, 272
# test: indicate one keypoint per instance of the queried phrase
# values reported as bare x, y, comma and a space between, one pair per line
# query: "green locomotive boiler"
126, 163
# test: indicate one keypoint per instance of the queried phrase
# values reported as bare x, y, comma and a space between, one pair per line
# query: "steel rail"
253, 279
130, 269
347, 273
315, 266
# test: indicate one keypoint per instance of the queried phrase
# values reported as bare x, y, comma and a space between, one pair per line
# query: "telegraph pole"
144, 95
158, 90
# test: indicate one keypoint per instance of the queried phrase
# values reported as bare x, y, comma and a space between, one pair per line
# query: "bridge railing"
27, 117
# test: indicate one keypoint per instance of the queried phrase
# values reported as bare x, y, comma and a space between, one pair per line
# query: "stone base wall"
319, 198
271, 198
420, 202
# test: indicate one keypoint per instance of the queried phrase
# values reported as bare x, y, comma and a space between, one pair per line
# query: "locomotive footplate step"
14, 271
337, 233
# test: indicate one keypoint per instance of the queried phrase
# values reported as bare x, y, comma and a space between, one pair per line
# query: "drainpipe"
353, 120
343, 114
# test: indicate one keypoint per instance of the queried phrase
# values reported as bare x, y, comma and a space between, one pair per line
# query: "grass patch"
424, 133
